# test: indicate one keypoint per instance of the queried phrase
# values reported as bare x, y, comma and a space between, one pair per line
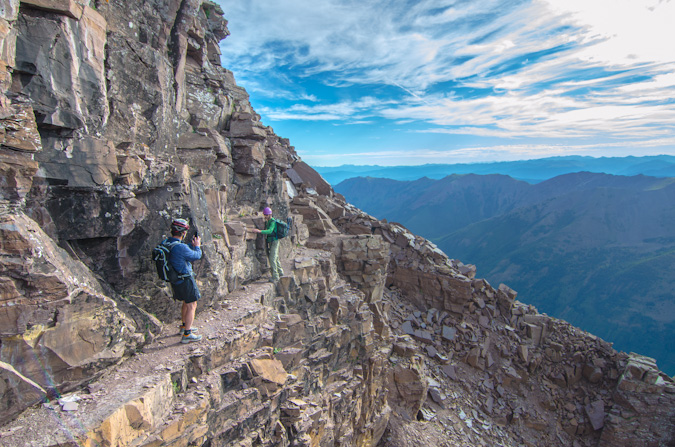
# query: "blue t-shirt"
182, 256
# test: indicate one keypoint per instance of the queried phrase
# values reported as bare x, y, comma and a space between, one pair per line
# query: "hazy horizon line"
497, 161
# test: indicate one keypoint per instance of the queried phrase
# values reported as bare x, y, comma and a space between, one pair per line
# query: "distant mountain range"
531, 171
594, 249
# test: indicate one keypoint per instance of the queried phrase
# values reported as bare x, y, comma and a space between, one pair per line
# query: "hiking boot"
190, 338
181, 330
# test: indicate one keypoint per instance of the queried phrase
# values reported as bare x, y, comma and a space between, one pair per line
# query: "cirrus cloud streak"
597, 71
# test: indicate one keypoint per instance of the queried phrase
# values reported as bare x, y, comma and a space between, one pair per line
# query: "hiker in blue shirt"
185, 290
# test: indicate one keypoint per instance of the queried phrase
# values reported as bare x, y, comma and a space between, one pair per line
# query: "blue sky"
403, 82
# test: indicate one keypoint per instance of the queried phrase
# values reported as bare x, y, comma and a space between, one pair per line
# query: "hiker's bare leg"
183, 313
189, 317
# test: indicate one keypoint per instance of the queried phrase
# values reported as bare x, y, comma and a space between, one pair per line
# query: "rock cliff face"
115, 117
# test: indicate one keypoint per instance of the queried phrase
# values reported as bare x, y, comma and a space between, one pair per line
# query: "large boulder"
58, 328
408, 388
304, 175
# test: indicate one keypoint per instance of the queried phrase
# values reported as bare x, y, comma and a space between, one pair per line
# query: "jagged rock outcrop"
116, 117
540, 381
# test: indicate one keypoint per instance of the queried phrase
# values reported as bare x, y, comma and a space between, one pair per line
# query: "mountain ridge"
532, 171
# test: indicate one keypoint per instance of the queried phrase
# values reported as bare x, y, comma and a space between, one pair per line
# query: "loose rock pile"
544, 381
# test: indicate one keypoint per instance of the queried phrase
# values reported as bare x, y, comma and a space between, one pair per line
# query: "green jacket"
270, 229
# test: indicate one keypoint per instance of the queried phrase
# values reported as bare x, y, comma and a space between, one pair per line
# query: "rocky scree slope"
593, 249
116, 117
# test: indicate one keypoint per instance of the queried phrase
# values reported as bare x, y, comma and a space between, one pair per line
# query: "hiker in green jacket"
272, 244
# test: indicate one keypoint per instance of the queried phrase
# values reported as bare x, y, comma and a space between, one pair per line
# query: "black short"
186, 291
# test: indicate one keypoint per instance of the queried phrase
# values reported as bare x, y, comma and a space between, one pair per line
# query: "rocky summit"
116, 116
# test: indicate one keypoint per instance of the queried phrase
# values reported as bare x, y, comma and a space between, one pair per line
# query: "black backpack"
283, 229
165, 271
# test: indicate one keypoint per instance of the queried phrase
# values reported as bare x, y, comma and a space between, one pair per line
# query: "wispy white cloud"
481, 153
353, 123
632, 31
489, 68
354, 41
341, 111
